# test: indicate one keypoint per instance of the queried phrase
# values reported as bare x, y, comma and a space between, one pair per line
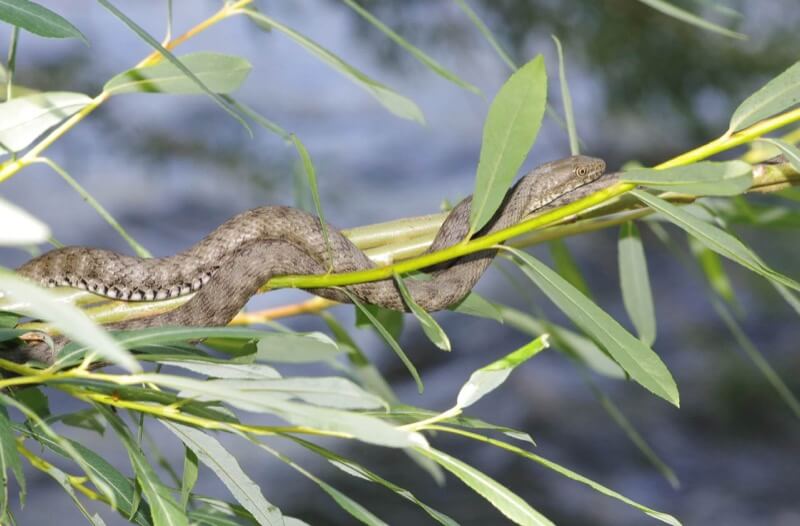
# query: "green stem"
12, 62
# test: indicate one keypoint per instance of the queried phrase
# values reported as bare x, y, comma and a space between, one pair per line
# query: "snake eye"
582, 171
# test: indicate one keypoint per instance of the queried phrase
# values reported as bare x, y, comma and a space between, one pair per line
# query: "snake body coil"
229, 265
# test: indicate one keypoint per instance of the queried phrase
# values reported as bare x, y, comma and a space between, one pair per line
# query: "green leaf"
567, 267
357, 470
165, 511
144, 35
189, 479
211, 453
38, 20
777, 95
413, 50
474, 304
487, 33
311, 177
790, 151
584, 349
637, 359
9, 458
391, 100
24, 119
714, 238
511, 126
18, 227
388, 338
34, 400
711, 265
119, 486
566, 98
488, 378
391, 320
70, 320
249, 371
432, 329
333, 391
635, 283
703, 178
220, 73
509, 503
690, 18
297, 348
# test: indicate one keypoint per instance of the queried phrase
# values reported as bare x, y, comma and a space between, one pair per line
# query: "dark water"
644, 87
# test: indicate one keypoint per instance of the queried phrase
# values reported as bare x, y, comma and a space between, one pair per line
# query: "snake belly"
229, 265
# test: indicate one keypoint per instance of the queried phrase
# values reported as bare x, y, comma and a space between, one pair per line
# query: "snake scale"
229, 265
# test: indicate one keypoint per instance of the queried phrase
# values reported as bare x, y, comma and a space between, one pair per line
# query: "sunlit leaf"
474, 304
220, 73
189, 478
18, 227
488, 378
780, 93
790, 151
639, 361
70, 320
714, 238
24, 119
225, 466
635, 283
703, 178
38, 20
566, 98
499, 496
250, 371
509, 131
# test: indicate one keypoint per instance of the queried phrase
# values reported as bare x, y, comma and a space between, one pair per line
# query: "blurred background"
645, 87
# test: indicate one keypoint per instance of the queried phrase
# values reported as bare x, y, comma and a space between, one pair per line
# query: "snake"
229, 265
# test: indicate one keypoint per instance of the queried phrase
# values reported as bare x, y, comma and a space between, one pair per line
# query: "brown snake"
229, 265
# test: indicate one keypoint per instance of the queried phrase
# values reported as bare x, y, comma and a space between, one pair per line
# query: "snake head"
585, 169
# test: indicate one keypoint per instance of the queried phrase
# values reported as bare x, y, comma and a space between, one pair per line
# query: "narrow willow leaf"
566, 98
391, 100
70, 320
703, 178
791, 151
511, 126
211, 453
777, 95
18, 227
118, 484
714, 238
585, 349
757, 358
685, 16
220, 73
85, 419
24, 119
432, 329
474, 304
639, 361
663, 517
63, 480
189, 479
250, 371
389, 339
392, 320
635, 437
487, 33
9, 459
509, 503
567, 267
297, 348
413, 50
144, 35
711, 265
38, 20
165, 510
357, 470
635, 282
332, 391
311, 177
488, 378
